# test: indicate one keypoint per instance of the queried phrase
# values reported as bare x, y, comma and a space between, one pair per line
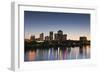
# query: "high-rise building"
42, 36
56, 36
47, 38
83, 38
60, 36
60, 32
32, 38
64, 37
51, 35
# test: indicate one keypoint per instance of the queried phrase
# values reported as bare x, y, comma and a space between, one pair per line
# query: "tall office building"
46, 38
60, 32
64, 37
51, 35
60, 36
83, 38
56, 36
42, 36
32, 38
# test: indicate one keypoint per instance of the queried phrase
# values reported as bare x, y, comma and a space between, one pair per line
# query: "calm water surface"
41, 54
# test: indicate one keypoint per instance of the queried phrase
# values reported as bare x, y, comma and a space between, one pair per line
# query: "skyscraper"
56, 36
42, 36
64, 37
51, 35
32, 38
47, 38
60, 32
83, 38
60, 35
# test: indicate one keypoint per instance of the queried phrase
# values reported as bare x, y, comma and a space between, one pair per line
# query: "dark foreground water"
44, 54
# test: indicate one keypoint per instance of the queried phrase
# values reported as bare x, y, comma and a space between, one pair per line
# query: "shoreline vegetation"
31, 45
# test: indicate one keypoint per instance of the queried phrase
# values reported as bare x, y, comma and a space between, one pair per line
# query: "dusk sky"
72, 24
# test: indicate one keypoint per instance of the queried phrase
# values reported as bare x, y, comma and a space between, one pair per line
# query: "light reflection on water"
57, 53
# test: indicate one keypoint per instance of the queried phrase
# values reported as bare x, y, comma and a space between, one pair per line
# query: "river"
64, 53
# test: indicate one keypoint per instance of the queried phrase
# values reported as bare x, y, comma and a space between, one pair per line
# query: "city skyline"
60, 36
72, 24
51, 36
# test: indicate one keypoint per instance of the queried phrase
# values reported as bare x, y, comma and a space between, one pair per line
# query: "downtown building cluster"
52, 36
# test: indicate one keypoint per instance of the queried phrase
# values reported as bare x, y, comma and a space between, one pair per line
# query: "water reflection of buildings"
85, 51
31, 55
60, 53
